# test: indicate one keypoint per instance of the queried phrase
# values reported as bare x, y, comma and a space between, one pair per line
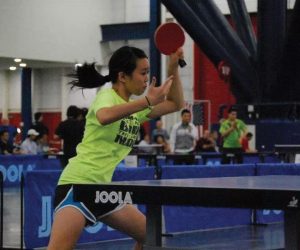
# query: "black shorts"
64, 198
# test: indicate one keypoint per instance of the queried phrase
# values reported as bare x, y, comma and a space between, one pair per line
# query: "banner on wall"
12, 167
38, 197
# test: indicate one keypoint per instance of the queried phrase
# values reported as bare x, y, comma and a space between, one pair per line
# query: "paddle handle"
181, 63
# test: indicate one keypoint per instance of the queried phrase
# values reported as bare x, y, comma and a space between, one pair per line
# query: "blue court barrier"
188, 218
210, 159
12, 167
40, 185
38, 197
267, 215
130, 174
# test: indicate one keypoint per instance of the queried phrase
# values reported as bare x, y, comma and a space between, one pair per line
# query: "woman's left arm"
174, 100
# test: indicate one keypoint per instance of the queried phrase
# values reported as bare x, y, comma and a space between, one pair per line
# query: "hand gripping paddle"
168, 38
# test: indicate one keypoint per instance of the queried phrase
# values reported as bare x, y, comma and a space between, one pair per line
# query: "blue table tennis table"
257, 192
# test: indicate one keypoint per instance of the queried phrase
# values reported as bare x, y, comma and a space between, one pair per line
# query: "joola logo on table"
113, 197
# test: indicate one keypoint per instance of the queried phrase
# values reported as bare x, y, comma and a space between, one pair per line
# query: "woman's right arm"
111, 114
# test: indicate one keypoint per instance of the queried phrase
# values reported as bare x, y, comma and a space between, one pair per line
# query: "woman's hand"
174, 57
157, 95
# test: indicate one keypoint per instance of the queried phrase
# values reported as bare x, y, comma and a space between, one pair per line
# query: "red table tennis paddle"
168, 38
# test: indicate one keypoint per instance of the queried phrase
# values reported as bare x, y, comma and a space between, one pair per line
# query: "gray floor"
240, 238
245, 237
11, 218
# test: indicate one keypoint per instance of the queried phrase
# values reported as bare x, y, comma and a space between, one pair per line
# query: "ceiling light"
23, 65
78, 65
17, 60
12, 68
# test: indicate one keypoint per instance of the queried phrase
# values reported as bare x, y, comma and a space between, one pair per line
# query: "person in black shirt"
5, 147
71, 132
39, 126
206, 143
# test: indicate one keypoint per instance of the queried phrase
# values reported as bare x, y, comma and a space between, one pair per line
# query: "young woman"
112, 126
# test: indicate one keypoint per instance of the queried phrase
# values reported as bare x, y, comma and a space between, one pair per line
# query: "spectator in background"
165, 145
141, 135
217, 139
39, 126
232, 129
29, 145
6, 148
144, 145
245, 143
42, 129
184, 134
159, 131
17, 143
82, 118
71, 132
10, 128
206, 143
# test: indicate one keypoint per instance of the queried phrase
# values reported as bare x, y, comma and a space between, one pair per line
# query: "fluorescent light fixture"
12, 68
17, 60
23, 65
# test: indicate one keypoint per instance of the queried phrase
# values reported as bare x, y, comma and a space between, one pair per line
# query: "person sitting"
165, 146
6, 148
29, 145
206, 143
245, 143
159, 130
144, 145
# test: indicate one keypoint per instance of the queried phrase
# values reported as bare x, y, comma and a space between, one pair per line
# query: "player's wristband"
149, 103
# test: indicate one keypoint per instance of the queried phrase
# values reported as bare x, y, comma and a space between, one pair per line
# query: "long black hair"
123, 60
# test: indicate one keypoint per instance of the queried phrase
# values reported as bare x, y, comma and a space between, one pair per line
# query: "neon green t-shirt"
233, 139
103, 146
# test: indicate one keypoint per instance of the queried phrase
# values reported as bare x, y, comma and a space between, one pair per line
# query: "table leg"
153, 225
292, 229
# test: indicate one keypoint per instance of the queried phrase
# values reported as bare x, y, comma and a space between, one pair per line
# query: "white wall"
10, 91
49, 30
223, 6
46, 90
62, 30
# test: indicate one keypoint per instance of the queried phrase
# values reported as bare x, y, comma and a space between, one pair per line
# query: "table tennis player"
112, 126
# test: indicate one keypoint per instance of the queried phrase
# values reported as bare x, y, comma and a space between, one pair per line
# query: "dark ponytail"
123, 60
87, 76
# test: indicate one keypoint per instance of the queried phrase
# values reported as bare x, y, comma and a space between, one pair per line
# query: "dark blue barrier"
270, 216
278, 169
49, 162
198, 171
210, 159
39, 191
180, 218
38, 206
253, 159
130, 174
12, 166
40, 185
272, 159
